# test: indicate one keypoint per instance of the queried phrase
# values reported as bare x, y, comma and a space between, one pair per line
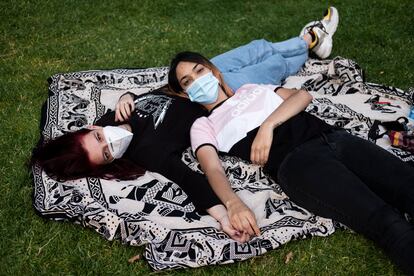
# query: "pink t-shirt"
230, 122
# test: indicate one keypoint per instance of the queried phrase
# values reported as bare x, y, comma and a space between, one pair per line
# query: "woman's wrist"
271, 125
224, 220
217, 211
130, 94
232, 201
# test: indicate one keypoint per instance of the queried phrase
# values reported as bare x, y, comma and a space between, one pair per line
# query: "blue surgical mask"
204, 90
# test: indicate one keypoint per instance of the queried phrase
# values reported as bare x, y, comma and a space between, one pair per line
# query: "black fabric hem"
202, 145
218, 105
277, 88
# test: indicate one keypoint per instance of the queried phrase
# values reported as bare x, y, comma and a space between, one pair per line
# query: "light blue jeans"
262, 62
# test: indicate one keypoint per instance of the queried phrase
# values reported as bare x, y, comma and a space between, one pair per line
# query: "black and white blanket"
154, 211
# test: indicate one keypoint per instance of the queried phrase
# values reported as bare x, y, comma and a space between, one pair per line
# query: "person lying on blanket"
151, 131
320, 167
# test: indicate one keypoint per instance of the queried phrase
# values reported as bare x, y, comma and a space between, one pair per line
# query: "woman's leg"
385, 174
249, 63
270, 71
257, 51
315, 178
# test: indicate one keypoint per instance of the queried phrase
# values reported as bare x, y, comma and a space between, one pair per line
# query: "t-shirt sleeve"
201, 134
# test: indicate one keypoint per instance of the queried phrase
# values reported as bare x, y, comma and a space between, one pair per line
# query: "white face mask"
118, 140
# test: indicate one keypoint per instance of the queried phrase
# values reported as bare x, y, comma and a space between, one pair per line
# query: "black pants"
357, 183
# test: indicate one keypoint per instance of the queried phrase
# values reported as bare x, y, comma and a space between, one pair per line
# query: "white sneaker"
324, 30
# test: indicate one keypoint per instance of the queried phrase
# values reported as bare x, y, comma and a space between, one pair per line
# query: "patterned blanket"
154, 211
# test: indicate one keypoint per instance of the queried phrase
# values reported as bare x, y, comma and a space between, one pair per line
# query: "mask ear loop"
224, 90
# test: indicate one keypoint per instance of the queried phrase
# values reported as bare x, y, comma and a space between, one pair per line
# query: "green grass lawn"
41, 38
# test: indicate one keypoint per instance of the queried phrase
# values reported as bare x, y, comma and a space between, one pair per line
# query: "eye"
98, 137
186, 83
200, 70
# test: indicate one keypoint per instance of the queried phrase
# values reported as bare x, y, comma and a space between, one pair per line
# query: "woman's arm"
294, 102
241, 217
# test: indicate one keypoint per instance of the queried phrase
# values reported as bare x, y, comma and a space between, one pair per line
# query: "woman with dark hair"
320, 167
143, 132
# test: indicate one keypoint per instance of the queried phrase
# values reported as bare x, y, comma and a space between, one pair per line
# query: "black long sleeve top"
161, 125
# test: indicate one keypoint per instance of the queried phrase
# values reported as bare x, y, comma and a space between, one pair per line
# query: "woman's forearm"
240, 217
292, 105
219, 212
221, 186
211, 165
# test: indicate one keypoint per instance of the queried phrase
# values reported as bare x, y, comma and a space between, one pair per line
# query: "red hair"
64, 158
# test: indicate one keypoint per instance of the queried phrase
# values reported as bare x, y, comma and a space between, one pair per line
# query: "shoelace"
319, 25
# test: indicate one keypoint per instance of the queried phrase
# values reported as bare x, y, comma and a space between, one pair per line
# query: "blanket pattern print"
154, 211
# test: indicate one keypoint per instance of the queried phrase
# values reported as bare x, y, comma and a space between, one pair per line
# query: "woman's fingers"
261, 145
124, 108
254, 226
255, 154
132, 104
124, 112
235, 222
246, 223
128, 109
241, 237
121, 114
251, 225
246, 237
264, 155
247, 227
260, 155
236, 235
118, 116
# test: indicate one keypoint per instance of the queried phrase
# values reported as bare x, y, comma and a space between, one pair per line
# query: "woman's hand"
242, 218
232, 232
124, 108
219, 212
259, 153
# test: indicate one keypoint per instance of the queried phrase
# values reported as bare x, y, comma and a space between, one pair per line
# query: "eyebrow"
103, 152
191, 70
